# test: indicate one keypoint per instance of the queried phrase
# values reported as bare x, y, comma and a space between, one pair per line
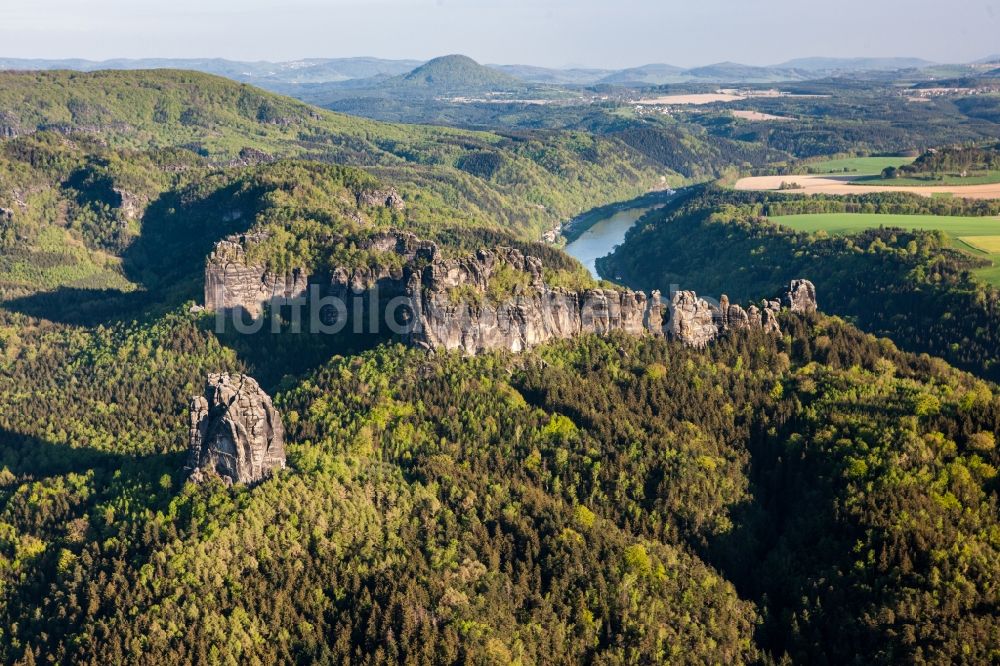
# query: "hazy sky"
597, 33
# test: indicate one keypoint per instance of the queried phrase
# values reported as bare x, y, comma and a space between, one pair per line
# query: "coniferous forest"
826, 493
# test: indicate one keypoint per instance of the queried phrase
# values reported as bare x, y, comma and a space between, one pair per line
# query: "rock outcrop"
131, 205
236, 432
404, 252
693, 320
801, 296
493, 299
696, 322
233, 283
455, 307
388, 197
9, 126
251, 157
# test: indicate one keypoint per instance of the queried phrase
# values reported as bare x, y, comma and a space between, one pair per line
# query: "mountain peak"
458, 71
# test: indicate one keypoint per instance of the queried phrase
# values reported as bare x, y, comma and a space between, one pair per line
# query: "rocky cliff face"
494, 299
231, 283
236, 433
801, 296
131, 205
388, 197
453, 309
404, 252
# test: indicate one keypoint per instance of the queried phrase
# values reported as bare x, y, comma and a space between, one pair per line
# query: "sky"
555, 33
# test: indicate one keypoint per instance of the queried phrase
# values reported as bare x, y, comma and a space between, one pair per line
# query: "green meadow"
977, 235
978, 178
858, 166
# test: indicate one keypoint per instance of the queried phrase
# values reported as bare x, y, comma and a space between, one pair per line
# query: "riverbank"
575, 228
598, 232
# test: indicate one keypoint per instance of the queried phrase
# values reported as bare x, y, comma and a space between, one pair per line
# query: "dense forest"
910, 286
539, 178
960, 160
818, 496
617, 500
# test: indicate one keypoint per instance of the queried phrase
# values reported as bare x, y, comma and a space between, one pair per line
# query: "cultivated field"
829, 184
695, 98
988, 244
859, 166
978, 235
758, 115
981, 178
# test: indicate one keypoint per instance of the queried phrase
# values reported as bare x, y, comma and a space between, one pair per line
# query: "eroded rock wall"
233, 283
236, 433
494, 299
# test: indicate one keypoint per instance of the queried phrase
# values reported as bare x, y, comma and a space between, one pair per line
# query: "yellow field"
990, 244
843, 184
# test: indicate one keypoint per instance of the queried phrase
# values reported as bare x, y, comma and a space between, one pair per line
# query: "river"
602, 238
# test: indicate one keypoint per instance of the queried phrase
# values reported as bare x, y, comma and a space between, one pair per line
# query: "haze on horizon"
556, 33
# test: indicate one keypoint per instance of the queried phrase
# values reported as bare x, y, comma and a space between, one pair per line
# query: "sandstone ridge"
456, 303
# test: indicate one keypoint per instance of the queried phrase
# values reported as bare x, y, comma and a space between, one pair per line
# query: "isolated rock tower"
236, 432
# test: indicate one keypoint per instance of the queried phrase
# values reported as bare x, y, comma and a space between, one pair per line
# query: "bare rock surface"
231, 282
694, 321
387, 197
236, 433
801, 296
496, 298
455, 307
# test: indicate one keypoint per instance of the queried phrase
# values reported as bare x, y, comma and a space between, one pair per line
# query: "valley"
601, 238
428, 361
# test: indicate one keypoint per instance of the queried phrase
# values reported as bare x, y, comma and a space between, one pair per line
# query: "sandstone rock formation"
697, 322
9, 126
251, 157
801, 296
693, 321
456, 305
232, 283
387, 197
493, 299
404, 251
132, 205
235, 432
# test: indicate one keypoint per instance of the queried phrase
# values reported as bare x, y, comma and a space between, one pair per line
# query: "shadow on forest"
29, 457
82, 307
783, 537
179, 230
166, 260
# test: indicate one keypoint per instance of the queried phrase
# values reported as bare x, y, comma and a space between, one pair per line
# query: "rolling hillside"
535, 179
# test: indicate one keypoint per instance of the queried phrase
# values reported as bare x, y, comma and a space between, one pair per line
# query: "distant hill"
653, 74
573, 76
311, 70
324, 80
551, 178
455, 73
854, 64
732, 72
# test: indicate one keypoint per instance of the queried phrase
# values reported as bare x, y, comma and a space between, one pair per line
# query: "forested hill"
910, 286
542, 177
456, 73
814, 497
821, 497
